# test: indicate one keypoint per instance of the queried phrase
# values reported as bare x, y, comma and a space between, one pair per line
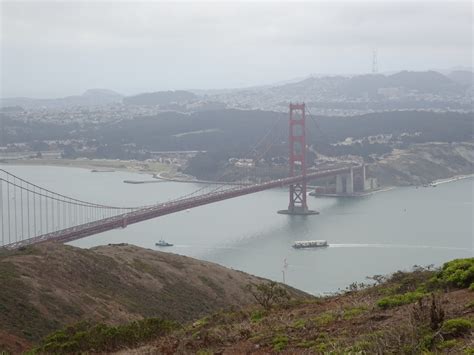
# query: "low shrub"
456, 273
280, 342
85, 336
324, 318
299, 324
305, 344
399, 300
447, 344
257, 316
353, 312
456, 327
269, 294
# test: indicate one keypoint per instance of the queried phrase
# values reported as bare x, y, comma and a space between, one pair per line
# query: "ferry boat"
162, 243
310, 244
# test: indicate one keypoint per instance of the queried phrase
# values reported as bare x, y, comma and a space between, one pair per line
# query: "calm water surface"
376, 234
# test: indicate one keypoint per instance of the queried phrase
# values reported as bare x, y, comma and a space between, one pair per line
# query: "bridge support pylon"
297, 161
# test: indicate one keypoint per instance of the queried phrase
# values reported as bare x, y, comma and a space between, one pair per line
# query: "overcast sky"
59, 48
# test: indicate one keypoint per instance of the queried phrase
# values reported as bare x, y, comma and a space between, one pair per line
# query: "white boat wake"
398, 246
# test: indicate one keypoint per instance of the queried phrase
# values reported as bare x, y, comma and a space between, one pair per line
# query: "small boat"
162, 243
310, 244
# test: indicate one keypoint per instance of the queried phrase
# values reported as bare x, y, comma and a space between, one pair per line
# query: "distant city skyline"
56, 49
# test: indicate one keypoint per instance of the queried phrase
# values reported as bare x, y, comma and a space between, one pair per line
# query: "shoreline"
108, 166
94, 166
452, 179
197, 181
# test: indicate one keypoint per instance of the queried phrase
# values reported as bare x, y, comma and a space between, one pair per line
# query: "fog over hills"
91, 97
159, 98
333, 95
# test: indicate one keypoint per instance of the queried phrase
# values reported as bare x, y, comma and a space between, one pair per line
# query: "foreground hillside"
418, 312
45, 287
415, 312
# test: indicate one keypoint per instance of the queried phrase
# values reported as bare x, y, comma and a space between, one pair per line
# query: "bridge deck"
106, 224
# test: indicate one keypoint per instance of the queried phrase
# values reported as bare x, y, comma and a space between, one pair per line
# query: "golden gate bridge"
31, 214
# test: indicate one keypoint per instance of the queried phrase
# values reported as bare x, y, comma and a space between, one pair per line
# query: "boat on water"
162, 243
300, 244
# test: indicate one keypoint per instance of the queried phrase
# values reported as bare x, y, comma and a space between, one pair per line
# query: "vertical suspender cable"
34, 212
47, 214
21, 206
28, 209
52, 215
59, 215
8, 211
63, 214
41, 213
15, 211
1, 210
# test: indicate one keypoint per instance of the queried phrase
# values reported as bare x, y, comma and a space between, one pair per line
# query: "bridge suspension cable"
245, 175
29, 211
31, 214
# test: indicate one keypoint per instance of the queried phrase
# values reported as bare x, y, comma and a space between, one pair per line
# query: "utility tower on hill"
375, 65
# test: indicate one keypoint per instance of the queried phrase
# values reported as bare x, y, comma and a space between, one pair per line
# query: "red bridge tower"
297, 160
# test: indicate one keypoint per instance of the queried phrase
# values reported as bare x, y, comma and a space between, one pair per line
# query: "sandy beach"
97, 165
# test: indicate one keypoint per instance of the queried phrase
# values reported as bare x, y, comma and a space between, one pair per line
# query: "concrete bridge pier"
345, 183
339, 184
350, 183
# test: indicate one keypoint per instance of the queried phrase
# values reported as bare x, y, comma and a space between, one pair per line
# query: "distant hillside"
423, 82
160, 98
93, 97
48, 286
350, 95
463, 77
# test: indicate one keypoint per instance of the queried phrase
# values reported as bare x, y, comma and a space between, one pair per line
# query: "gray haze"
65, 47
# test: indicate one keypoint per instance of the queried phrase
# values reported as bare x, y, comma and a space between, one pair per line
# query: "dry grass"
48, 286
347, 323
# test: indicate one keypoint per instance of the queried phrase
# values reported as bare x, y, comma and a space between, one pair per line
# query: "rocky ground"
424, 163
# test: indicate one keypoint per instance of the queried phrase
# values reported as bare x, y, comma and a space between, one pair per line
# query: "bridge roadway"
146, 213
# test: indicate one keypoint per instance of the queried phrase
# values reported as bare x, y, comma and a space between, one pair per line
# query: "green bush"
353, 312
458, 273
299, 324
399, 300
447, 344
324, 318
257, 316
306, 344
456, 327
85, 336
280, 342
